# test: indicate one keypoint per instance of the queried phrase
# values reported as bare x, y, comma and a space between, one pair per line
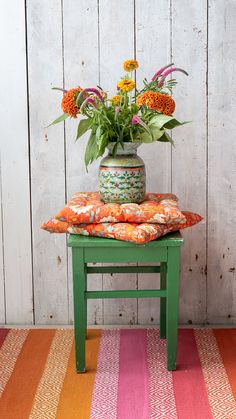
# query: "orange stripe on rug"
226, 340
49, 388
17, 398
9, 353
77, 389
220, 396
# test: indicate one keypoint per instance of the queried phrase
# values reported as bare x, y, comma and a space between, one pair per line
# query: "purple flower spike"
88, 100
160, 71
95, 91
164, 75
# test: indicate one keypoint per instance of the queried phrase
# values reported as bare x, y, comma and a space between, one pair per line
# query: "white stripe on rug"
9, 353
49, 388
104, 400
161, 390
220, 396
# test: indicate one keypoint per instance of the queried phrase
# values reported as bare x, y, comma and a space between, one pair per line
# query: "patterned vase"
122, 178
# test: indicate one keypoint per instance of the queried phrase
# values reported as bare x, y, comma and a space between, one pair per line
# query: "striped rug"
126, 375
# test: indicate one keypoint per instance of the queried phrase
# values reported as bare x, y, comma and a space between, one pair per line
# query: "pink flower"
117, 109
160, 71
136, 120
164, 75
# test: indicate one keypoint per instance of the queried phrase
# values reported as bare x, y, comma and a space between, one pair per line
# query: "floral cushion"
132, 232
88, 208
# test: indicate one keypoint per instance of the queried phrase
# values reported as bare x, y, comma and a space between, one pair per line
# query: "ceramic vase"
122, 178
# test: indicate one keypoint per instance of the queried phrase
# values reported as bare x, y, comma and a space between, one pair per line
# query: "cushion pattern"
88, 208
132, 232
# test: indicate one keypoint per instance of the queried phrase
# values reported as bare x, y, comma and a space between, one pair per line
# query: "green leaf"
156, 132
114, 150
166, 138
91, 151
84, 125
59, 88
166, 121
159, 120
174, 123
102, 141
143, 137
60, 119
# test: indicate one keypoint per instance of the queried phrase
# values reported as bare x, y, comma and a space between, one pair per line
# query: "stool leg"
79, 288
172, 305
163, 301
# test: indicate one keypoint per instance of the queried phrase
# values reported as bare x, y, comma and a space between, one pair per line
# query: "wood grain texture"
152, 50
115, 47
15, 165
81, 68
2, 276
47, 159
221, 290
85, 43
189, 47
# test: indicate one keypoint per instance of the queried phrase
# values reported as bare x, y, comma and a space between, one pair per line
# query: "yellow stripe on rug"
77, 389
48, 392
9, 352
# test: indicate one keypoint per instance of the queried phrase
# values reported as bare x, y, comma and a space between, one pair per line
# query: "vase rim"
129, 148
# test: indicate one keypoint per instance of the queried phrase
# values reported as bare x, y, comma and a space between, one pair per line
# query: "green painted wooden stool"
165, 251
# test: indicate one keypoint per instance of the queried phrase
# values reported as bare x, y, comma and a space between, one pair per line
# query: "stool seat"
165, 251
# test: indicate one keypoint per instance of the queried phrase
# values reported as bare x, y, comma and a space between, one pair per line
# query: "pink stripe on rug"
133, 379
104, 399
188, 380
3, 334
161, 391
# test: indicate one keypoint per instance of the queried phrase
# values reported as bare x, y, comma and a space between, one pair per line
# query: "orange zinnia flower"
130, 65
68, 103
160, 102
116, 100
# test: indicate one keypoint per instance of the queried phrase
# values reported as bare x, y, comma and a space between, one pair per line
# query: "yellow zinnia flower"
115, 100
126, 85
130, 65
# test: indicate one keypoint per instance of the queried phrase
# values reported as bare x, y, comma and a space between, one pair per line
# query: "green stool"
165, 250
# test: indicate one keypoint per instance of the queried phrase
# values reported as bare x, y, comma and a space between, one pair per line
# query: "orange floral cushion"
132, 232
88, 208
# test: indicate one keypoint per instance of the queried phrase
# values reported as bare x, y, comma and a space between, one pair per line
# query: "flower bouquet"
121, 123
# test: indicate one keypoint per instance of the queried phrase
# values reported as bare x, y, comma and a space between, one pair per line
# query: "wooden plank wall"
69, 43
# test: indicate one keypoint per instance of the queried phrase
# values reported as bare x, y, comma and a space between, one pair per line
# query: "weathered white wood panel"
15, 165
47, 159
115, 47
189, 46
152, 52
2, 285
221, 289
81, 68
